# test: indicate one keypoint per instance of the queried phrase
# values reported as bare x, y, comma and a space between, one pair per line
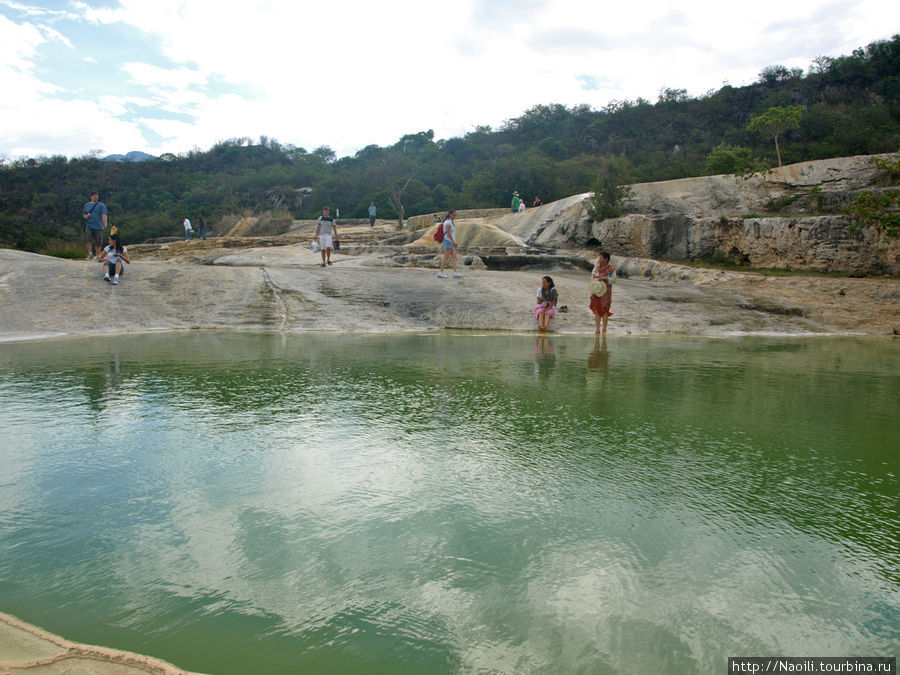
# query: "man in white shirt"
326, 230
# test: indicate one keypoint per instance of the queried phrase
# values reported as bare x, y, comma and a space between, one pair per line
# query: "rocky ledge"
383, 277
284, 288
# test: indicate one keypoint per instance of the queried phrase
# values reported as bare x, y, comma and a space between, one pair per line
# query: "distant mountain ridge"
133, 156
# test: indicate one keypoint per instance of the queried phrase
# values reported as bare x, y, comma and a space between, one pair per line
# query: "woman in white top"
113, 255
448, 244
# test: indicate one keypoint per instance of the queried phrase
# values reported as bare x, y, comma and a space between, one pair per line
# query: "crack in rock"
285, 313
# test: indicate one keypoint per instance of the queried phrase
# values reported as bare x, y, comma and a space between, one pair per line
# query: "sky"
112, 76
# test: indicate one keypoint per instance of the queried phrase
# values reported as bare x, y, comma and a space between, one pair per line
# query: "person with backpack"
446, 234
113, 255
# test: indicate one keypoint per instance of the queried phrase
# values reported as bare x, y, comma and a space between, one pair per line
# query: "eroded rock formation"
775, 220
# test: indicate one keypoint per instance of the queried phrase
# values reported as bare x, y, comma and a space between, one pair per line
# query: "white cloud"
351, 74
72, 128
18, 46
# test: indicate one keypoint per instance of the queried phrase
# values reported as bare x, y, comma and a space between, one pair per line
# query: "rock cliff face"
774, 221
819, 243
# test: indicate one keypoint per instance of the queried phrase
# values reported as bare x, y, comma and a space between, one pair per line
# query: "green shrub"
60, 248
815, 197
726, 159
781, 203
888, 170
610, 190
877, 210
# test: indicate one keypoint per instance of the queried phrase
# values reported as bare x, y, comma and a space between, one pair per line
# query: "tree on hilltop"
776, 121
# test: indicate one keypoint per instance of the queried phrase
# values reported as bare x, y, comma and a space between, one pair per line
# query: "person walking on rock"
187, 229
95, 216
448, 244
515, 201
372, 211
326, 231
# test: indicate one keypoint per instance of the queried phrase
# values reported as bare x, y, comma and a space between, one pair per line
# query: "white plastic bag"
314, 247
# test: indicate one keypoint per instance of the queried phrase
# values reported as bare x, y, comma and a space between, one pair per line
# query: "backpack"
439, 233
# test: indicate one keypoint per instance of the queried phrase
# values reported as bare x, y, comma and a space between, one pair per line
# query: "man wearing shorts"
95, 216
326, 230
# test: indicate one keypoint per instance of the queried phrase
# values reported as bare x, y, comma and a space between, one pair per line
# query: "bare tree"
396, 193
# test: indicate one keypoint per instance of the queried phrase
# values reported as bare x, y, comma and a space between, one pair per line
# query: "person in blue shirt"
372, 214
95, 216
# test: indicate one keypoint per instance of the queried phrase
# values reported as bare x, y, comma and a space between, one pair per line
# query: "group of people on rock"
602, 277
518, 204
188, 228
96, 220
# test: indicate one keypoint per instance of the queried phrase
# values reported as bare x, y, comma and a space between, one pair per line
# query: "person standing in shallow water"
601, 291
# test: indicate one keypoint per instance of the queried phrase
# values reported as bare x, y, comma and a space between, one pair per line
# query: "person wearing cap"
515, 202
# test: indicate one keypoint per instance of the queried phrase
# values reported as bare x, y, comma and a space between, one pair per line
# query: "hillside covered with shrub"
850, 106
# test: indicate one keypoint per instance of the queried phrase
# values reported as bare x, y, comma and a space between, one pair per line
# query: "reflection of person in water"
598, 359
542, 346
543, 356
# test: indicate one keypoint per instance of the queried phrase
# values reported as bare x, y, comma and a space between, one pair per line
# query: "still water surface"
239, 503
